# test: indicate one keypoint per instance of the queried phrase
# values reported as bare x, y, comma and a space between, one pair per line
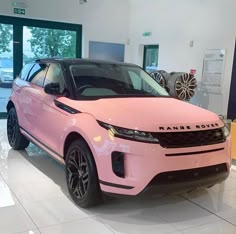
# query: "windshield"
101, 80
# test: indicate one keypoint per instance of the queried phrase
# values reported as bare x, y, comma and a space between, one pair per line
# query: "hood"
148, 114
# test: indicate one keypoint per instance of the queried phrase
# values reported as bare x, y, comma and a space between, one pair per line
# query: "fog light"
118, 164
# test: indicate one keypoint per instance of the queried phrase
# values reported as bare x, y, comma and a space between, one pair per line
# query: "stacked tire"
179, 84
160, 77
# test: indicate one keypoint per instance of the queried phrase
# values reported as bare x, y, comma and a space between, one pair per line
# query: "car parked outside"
6, 72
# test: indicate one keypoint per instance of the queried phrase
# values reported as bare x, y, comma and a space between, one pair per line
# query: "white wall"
101, 19
173, 23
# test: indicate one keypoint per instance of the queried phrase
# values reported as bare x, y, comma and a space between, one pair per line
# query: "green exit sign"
147, 34
19, 11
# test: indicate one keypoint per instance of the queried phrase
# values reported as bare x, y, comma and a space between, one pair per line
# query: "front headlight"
225, 131
129, 134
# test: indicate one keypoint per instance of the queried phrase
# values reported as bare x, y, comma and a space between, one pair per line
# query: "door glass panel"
150, 61
48, 43
37, 74
54, 75
6, 64
25, 71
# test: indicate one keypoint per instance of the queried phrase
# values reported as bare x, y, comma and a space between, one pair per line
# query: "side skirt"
42, 146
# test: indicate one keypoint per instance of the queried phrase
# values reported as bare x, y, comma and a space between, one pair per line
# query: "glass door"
48, 43
150, 58
6, 65
23, 40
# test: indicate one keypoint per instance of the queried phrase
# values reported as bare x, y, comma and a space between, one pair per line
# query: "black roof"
74, 61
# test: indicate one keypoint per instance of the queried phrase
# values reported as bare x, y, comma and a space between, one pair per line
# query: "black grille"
190, 139
173, 177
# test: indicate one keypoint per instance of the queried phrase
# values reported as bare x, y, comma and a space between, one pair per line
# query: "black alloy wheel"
11, 127
15, 138
78, 177
81, 175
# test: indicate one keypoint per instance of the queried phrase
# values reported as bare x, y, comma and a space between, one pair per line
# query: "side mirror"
52, 88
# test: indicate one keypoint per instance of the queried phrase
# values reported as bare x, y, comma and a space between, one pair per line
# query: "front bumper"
176, 181
143, 162
187, 180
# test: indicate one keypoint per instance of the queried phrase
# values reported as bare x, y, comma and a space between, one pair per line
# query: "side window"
54, 75
25, 71
37, 74
136, 80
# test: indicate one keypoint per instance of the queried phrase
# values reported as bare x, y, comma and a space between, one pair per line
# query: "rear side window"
25, 71
37, 74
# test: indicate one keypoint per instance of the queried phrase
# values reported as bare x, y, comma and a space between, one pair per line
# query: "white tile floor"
34, 199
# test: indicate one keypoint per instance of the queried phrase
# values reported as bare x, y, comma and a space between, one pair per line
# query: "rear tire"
15, 138
81, 175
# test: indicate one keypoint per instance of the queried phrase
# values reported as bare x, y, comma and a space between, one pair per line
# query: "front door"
52, 118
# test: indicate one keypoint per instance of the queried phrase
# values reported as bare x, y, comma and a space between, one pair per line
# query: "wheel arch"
72, 136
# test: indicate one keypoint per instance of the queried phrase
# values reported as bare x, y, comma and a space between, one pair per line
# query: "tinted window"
54, 75
37, 74
25, 71
114, 80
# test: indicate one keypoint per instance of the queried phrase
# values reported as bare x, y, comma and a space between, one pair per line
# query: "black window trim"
68, 85
27, 79
67, 78
66, 75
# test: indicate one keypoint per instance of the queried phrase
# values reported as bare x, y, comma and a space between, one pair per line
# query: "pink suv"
116, 130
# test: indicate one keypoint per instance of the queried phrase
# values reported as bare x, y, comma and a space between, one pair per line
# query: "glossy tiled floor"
34, 199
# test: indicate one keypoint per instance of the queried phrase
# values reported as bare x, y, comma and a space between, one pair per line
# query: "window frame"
87, 98
30, 72
18, 24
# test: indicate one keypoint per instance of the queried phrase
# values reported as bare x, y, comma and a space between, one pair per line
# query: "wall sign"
213, 70
193, 71
19, 11
19, 4
147, 34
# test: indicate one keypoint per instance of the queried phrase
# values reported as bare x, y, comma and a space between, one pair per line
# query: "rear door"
30, 98
20, 97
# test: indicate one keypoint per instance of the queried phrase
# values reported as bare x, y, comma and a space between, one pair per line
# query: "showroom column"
232, 95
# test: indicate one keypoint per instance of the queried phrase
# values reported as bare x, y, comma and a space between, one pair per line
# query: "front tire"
81, 175
15, 138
